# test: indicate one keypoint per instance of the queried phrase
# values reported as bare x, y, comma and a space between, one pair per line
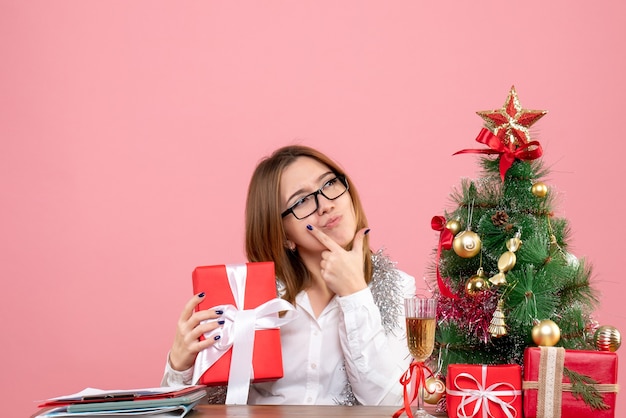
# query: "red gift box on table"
249, 345
478, 390
548, 392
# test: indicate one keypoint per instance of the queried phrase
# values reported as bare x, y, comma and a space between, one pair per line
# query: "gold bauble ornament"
466, 244
476, 284
546, 333
607, 338
539, 189
453, 226
433, 391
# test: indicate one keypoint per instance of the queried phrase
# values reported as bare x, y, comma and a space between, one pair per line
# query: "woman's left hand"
342, 270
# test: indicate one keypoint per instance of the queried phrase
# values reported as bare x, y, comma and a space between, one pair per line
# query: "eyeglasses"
307, 205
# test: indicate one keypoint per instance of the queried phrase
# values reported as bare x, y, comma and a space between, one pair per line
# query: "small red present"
548, 392
249, 345
475, 390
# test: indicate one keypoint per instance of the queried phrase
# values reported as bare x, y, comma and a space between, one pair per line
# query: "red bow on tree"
508, 153
438, 223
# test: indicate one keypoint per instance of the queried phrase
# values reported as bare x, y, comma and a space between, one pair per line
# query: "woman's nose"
323, 204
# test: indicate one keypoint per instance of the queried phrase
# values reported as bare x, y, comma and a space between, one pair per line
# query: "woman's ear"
290, 245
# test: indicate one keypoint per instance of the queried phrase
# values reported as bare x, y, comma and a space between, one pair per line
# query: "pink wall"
129, 131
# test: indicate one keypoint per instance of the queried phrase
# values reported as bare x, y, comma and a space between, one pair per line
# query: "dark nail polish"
309, 227
219, 312
367, 231
201, 295
217, 337
221, 322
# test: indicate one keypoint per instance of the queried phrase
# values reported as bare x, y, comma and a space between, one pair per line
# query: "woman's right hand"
187, 343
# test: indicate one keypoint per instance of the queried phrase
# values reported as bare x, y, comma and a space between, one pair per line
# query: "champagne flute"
421, 313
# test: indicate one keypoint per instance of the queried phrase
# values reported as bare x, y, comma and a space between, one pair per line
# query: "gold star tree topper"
511, 122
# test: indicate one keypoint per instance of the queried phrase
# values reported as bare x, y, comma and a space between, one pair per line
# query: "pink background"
130, 129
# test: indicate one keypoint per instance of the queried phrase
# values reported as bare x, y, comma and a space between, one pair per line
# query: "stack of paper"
162, 402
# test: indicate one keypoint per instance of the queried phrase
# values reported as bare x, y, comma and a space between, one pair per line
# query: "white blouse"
342, 355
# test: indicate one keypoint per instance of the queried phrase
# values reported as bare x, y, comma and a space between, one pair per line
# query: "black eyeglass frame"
315, 194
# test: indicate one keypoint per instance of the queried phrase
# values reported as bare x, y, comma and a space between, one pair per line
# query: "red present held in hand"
249, 346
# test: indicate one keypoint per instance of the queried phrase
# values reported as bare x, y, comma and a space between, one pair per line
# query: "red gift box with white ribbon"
249, 345
481, 391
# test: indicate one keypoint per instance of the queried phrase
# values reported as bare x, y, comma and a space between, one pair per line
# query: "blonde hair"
265, 234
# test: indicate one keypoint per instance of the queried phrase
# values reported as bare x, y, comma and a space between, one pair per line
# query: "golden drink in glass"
420, 335
421, 314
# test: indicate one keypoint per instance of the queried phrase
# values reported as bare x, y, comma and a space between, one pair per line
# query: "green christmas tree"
504, 278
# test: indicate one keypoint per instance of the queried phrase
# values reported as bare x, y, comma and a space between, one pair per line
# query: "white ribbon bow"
483, 395
238, 332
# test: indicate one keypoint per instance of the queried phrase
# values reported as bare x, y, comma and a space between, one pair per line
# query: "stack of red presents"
547, 389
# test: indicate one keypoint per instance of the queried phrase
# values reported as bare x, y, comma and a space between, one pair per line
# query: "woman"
348, 344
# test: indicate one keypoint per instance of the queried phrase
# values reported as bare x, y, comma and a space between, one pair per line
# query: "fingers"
329, 243
342, 270
324, 239
190, 306
359, 237
190, 318
207, 321
191, 326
